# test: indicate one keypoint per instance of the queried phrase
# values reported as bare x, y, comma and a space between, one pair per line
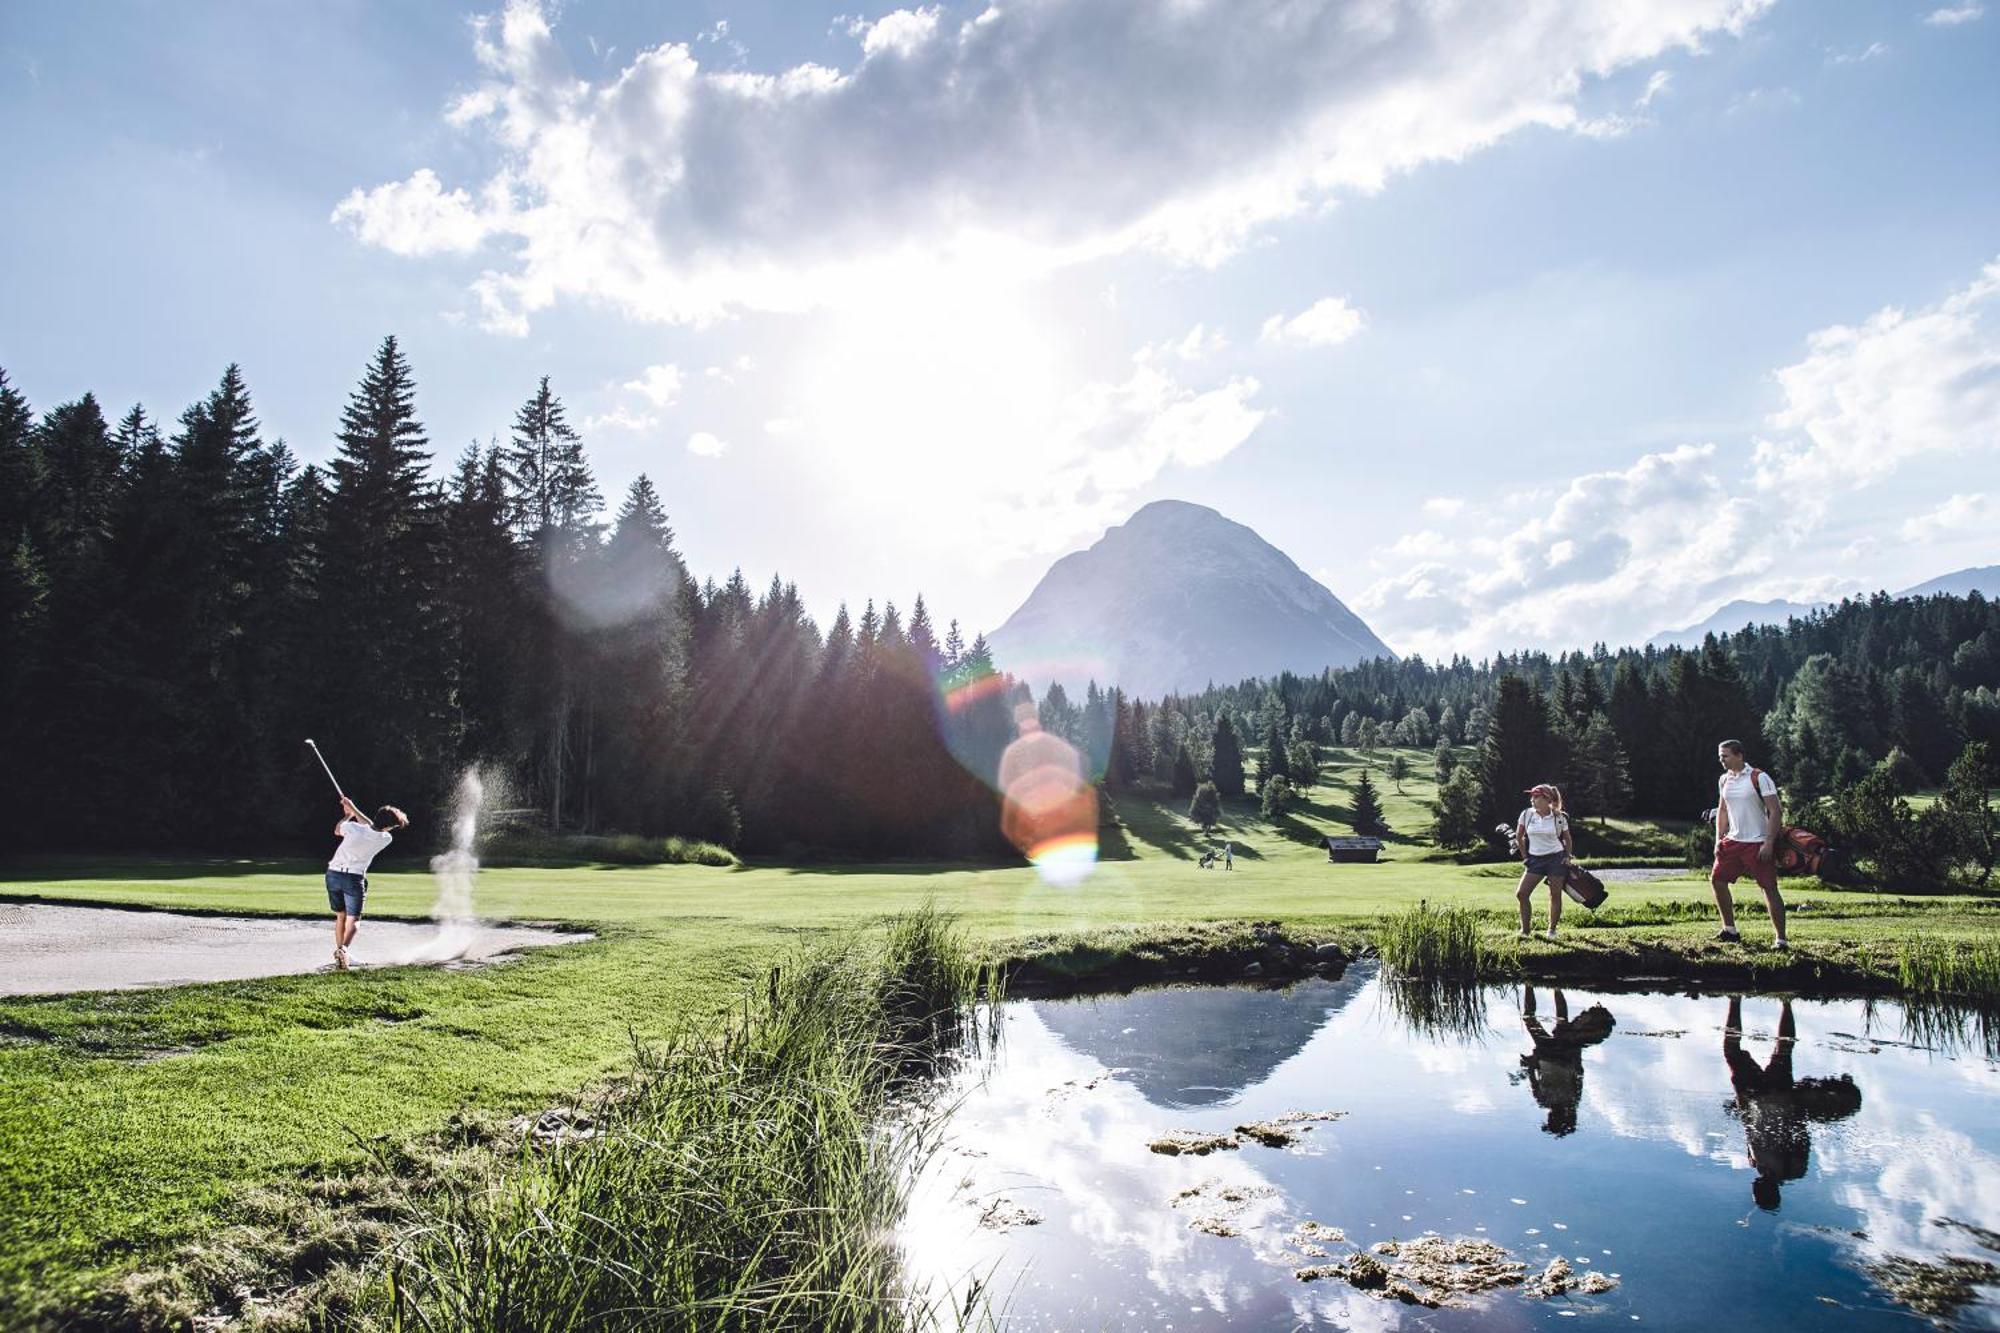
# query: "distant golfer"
347, 872
1747, 827
1228, 857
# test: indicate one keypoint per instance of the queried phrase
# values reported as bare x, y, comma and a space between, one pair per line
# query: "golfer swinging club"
347, 872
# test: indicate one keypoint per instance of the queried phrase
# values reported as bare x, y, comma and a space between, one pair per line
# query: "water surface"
1748, 1163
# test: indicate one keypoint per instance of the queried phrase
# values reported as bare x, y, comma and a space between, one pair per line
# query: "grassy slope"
105, 1158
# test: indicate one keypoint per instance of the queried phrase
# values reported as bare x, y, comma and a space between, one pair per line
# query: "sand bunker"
47, 949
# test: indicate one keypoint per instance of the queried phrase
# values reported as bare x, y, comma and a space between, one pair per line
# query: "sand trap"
47, 949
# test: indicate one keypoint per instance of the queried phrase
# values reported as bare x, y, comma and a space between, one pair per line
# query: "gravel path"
1616, 873
48, 949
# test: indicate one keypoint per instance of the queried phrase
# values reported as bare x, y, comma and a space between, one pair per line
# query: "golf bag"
1803, 852
1582, 886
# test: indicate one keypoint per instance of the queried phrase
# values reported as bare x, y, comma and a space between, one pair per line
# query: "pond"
1694, 1160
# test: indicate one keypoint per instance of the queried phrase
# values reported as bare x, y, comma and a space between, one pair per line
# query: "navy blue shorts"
1547, 863
345, 890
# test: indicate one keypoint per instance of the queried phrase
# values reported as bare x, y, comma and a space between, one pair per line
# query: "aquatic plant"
1435, 942
1926, 965
750, 1178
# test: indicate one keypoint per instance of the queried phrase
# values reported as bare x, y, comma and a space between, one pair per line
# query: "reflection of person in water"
1555, 1066
1775, 1108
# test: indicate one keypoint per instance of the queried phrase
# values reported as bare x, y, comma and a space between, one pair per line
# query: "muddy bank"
51, 949
1265, 952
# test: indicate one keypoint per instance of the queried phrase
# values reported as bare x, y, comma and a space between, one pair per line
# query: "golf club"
329, 768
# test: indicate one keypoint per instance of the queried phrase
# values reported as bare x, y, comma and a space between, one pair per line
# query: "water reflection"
1554, 1069
1776, 1109
1638, 1167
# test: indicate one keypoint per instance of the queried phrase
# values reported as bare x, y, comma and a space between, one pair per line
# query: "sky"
1523, 325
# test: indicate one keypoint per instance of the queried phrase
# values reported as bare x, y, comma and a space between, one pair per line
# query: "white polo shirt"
359, 845
1747, 820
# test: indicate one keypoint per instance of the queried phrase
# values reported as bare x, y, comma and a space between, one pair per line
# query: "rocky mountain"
1737, 615
1176, 597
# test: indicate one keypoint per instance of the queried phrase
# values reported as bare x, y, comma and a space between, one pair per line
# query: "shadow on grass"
55, 867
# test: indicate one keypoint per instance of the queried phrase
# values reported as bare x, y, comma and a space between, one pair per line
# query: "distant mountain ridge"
1175, 597
1738, 615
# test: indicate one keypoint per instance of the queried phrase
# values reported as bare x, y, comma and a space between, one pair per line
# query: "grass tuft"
1964, 969
1436, 943
750, 1178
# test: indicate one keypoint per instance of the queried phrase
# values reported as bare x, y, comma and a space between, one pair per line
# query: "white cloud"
782, 427
1869, 398
1197, 344
1764, 99
1657, 84
1329, 322
1444, 506
660, 385
1951, 16
1961, 513
1867, 53
706, 445
622, 419
1037, 135
415, 217
1620, 554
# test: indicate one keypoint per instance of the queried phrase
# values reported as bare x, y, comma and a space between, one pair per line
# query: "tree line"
180, 605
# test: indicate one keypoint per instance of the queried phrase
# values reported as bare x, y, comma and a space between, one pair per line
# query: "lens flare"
1048, 809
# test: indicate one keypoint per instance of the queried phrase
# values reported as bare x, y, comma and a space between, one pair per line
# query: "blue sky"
1528, 324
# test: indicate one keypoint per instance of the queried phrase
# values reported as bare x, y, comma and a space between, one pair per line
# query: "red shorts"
1733, 860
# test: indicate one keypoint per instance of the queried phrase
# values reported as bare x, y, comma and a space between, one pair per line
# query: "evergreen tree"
1603, 770
1276, 797
1367, 816
549, 483
1514, 756
1457, 824
1184, 779
1303, 766
1275, 762
1399, 768
1443, 761
384, 662
1206, 807
1226, 758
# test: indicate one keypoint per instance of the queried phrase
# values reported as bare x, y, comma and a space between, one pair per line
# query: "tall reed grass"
1436, 943
1962, 969
751, 1178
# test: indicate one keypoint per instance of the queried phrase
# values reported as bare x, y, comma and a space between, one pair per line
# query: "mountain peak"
1174, 598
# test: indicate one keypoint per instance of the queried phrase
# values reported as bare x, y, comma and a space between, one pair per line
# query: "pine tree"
1275, 762
1184, 779
1226, 758
1603, 770
385, 659
549, 483
1206, 807
1514, 755
1443, 760
1367, 815
1457, 824
1276, 797
923, 640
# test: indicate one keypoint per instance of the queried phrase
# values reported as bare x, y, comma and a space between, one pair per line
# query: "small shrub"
1434, 942
1929, 966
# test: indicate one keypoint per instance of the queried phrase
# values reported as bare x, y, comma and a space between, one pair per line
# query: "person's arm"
1774, 825
1569, 846
1521, 837
1721, 814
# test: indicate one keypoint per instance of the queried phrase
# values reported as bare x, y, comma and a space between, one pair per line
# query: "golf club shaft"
329, 770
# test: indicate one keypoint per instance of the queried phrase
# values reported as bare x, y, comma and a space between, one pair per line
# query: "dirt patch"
1278, 1132
1452, 1266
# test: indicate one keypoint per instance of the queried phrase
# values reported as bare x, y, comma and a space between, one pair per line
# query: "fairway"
134, 1121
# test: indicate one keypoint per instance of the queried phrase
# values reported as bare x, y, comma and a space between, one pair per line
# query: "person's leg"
1720, 876
1767, 880
1525, 895
1555, 902
339, 933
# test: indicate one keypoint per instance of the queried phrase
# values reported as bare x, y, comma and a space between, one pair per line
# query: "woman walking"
1542, 833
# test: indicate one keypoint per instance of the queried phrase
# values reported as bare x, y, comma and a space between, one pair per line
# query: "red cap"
1541, 789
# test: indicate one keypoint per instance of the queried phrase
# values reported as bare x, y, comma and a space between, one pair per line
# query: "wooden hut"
1353, 849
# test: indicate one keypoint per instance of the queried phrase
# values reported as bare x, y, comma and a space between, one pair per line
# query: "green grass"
1438, 944
133, 1123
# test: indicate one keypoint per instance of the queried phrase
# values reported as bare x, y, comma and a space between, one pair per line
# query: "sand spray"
455, 871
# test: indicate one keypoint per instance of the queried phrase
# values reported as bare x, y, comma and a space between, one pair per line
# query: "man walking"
347, 872
1747, 828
